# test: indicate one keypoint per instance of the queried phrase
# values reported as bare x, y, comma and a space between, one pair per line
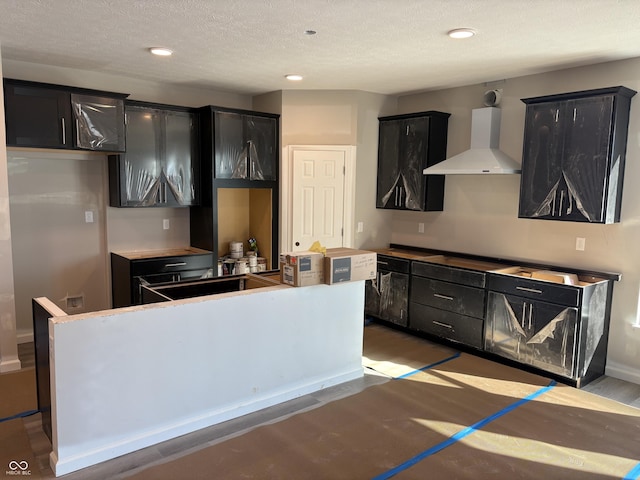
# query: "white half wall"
128, 378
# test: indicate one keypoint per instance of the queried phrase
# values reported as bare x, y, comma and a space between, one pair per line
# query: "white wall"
480, 211
128, 378
8, 347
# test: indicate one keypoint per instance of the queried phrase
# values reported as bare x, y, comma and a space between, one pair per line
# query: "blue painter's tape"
463, 433
633, 474
19, 415
428, 367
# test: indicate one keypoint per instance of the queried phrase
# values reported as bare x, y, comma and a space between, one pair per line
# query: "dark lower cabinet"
560, 329
451, 311
41, 317
553, 321
387, 297
130, 271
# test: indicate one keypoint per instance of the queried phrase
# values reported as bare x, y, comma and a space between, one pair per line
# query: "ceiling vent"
483, 157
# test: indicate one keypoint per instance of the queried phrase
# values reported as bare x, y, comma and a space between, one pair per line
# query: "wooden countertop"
475, 262
165, 252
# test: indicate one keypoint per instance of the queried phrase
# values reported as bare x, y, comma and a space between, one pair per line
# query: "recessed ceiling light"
461, 33
161, 51
293, 77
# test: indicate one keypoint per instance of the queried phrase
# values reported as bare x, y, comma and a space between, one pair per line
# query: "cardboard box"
301, 269
349, 265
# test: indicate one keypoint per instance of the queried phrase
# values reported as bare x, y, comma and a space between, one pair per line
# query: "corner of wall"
8, 341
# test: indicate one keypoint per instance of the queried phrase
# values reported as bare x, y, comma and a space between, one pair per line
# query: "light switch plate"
165, 224
580, 243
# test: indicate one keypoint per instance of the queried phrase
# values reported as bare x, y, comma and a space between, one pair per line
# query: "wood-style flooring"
127, 465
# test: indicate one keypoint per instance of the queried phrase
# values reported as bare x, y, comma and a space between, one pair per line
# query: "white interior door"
318, 198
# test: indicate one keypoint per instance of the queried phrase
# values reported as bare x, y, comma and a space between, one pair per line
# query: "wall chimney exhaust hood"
483, 157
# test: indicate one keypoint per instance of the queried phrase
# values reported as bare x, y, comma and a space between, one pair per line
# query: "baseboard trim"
24, 336
10, 365
622, 372
79, 460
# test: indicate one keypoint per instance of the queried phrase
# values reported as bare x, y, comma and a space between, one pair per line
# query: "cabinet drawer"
393, 264
546, 291
450, 274
448, 325
460, 299
171, 264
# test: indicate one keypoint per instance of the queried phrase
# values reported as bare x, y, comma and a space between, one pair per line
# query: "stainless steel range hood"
483, 157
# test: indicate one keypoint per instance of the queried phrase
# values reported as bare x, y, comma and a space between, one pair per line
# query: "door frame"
286, 192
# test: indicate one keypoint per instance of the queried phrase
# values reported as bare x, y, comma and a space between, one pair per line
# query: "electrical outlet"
580, 243
88, 216
421, 227
165, 224
360, 227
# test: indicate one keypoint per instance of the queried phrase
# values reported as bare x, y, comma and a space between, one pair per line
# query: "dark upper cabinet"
160, 167
407, 144
574, 155
245, 144
53, 116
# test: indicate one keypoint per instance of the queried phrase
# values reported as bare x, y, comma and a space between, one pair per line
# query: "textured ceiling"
382, 46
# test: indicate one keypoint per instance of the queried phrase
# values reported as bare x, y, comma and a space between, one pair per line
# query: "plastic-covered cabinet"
574, 155
407, 144
42, 115
99, 122
245, 145
387, 296
160, 167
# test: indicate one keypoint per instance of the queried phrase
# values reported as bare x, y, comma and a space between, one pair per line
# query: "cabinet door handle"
574, 115
557, 113
442, 324
64, 132
530, 290
530, 314
178, 264
524, 314
444, 297
380, 262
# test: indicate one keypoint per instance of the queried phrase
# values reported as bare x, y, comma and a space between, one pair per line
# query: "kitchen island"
127, 378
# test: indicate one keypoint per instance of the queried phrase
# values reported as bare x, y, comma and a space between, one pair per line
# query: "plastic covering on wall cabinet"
99, 122
160, 166
42, 115
574, 155
407, 144
245, 146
